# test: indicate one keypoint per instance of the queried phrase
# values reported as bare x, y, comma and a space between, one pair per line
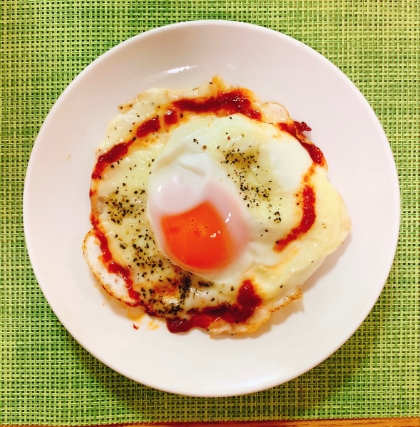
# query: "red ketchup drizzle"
116, 153
308, 218
297, 127
148, 126
170, 117
231, 102
114, 267
239, 312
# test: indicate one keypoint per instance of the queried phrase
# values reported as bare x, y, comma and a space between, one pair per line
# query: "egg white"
201, 149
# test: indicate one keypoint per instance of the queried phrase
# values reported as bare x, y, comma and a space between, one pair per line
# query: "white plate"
277, 68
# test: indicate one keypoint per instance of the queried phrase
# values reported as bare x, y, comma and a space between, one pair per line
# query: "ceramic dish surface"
336, 299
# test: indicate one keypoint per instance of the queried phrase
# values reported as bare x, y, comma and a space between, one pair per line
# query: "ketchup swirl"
223, 104
308, 219
246, 303
296, 130
114, 267
232, 102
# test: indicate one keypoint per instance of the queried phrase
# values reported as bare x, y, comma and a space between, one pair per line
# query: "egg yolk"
198, 239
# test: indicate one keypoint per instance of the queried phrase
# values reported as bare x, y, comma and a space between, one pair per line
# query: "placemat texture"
46, 377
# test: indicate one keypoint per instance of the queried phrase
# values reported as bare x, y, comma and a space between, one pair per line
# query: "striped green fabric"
46, 377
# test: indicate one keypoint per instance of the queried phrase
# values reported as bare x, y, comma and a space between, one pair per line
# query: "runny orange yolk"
198, 238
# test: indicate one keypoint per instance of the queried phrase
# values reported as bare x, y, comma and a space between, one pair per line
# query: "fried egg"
210, 209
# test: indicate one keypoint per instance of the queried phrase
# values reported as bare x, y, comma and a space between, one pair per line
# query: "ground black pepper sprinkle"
241, 163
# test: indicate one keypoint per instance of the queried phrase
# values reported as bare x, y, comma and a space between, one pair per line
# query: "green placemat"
46, 377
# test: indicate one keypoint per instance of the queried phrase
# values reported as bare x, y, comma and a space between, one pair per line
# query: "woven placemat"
46, 377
